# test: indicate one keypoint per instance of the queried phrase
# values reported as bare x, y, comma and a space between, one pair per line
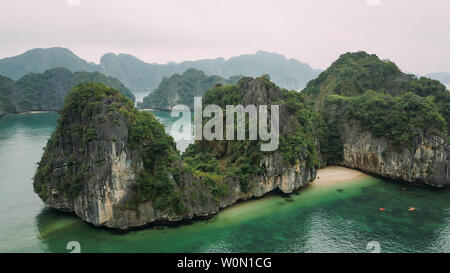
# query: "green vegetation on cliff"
385, 101
354, 73
222, 160
399, 119
436, 92
96, 114
218, 161
181, 89
76, 129
157, 182
306, 128
84, 77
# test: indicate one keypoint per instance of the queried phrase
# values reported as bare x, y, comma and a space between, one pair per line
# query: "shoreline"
29, 112
332, 175
326, 177
36, 112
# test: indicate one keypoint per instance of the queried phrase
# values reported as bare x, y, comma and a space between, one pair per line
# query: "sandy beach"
334, 174
36, 112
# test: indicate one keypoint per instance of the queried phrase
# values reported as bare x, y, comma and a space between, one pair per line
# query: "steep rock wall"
426, 162
102, 200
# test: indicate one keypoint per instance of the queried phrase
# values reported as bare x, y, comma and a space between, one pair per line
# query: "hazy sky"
413, 33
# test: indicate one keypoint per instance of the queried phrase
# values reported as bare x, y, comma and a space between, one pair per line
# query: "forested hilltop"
48, 90
181, 89
383, 121
142, 76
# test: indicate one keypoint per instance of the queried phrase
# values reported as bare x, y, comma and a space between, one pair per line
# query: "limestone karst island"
194, 136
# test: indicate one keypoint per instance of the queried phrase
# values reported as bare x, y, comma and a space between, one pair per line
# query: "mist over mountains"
142, 76
443, 77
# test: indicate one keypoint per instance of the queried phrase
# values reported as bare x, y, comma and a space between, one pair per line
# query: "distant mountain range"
39, 60
141, 76
443, 77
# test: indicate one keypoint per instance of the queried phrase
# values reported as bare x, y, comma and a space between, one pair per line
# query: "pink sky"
413, 33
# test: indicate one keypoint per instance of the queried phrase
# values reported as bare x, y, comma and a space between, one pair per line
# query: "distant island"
47, 91
181, 89
141, 76
115, 166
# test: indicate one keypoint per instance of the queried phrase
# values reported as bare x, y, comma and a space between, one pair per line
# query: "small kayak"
381, 209
412, 209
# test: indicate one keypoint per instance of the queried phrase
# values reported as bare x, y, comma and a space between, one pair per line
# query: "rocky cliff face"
88, 166
426, 162
103, 197
278, 177
383, 121
114, 166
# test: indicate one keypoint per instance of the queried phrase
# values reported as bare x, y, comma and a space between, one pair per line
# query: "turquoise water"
336, 218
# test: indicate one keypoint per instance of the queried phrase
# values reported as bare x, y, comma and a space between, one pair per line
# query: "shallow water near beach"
339, 217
